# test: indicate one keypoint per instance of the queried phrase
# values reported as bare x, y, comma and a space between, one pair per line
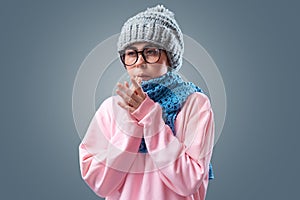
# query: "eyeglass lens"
150, 55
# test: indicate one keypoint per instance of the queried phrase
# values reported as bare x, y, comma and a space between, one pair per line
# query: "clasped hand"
132, 96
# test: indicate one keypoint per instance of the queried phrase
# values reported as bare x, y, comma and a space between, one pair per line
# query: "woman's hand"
133, 96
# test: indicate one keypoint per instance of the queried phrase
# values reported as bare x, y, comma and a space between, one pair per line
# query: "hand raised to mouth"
132, 96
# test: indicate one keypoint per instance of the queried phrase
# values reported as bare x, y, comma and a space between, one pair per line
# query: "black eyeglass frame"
122, 56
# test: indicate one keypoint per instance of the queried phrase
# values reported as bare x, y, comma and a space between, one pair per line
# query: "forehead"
140, 45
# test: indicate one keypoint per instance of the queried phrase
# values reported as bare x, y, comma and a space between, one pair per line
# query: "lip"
143, 76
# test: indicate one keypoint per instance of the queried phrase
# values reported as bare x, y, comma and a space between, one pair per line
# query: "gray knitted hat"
156, 25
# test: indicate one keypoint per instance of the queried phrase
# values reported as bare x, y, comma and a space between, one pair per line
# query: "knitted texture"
170, 91
158, 26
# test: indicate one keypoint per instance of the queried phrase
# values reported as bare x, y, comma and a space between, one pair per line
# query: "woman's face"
146, 71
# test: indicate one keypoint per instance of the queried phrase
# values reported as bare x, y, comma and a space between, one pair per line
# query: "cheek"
164, 59
163, 69
130, 72
160, 70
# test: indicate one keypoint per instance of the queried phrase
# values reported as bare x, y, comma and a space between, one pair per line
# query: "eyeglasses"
150, 55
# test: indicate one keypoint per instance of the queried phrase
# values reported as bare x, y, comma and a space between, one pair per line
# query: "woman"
154, 139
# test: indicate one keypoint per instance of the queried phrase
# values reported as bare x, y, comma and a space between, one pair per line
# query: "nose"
140, 61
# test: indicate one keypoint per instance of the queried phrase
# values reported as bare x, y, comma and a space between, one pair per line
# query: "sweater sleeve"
108, 149
182, 164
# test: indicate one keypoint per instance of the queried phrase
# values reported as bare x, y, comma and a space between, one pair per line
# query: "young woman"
154, 139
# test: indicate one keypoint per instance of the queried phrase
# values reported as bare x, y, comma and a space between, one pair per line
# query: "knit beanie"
156, 25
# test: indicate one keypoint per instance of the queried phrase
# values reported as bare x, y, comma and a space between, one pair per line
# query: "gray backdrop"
255, 44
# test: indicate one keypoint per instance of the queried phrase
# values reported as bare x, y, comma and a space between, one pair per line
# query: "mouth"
143, 77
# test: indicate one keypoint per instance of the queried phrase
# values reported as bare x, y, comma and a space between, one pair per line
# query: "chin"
146, 78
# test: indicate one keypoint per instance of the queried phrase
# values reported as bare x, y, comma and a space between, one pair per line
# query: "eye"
130, 53
151, 51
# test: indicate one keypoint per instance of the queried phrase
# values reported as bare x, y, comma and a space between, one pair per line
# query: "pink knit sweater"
175, 167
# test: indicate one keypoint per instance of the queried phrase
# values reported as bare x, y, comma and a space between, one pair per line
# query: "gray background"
255, 44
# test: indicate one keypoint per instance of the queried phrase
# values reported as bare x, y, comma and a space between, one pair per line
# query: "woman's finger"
132, 100
134, 84
137, 100
123, 95
137, 88
126, 107
125, 89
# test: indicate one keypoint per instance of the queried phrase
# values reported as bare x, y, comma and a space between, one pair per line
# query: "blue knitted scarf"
170, 91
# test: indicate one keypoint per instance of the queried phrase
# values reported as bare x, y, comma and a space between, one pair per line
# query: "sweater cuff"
143, 109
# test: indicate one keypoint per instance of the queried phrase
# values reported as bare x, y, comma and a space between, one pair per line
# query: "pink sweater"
175, 167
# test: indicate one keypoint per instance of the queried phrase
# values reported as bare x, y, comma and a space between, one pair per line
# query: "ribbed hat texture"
156, 25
